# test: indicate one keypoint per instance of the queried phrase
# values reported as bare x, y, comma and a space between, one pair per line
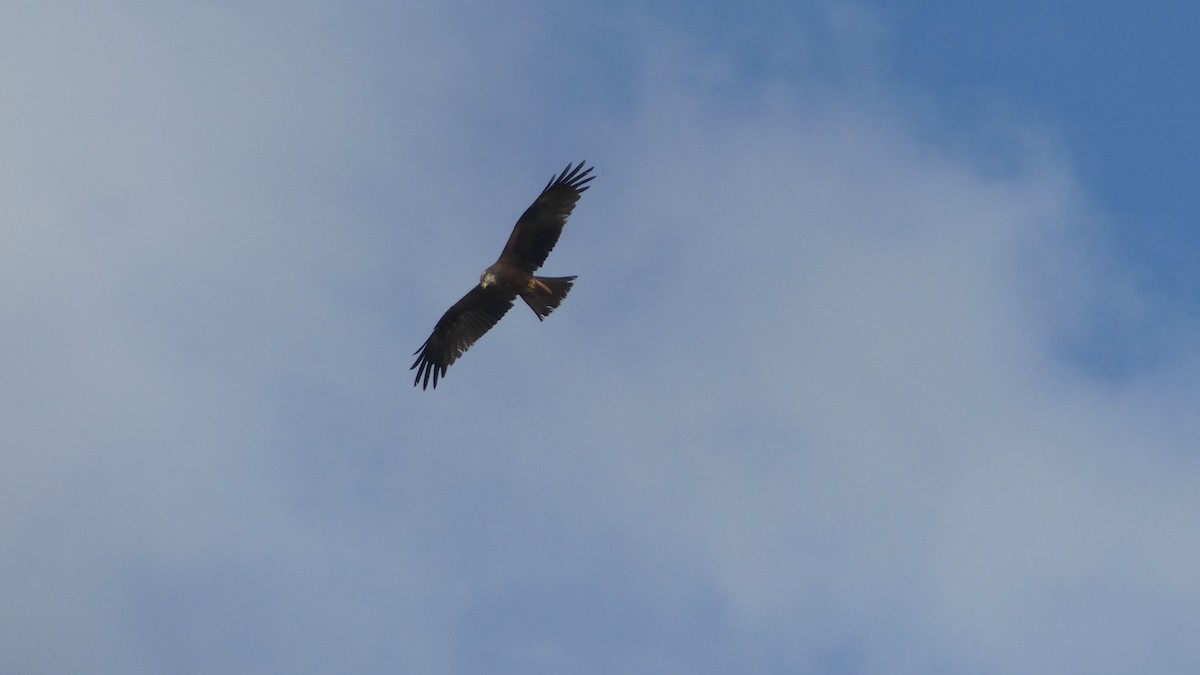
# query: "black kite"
532, 238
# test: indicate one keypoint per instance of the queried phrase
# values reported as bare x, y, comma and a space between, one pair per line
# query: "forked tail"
546, 293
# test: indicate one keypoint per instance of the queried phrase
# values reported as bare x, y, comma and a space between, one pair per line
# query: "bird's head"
488, 278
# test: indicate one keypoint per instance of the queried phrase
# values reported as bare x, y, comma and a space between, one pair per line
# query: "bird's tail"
546, 293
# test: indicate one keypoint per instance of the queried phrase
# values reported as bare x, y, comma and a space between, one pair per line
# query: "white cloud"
806, 409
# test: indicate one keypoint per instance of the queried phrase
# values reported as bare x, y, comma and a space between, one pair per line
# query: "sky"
883, 355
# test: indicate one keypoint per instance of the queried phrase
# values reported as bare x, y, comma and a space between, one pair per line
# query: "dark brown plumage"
532, 239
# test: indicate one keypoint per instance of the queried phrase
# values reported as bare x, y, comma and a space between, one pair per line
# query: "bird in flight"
532, 239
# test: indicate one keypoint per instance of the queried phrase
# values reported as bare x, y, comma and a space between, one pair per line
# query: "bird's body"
532, 239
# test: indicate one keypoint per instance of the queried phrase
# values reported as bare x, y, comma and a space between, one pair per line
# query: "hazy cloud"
821, 400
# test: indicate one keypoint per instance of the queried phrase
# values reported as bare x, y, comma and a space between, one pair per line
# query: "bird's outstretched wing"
538, 229
456, 331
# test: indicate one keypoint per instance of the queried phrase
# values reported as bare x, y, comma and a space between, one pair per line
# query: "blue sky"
1109, 79
883, 354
